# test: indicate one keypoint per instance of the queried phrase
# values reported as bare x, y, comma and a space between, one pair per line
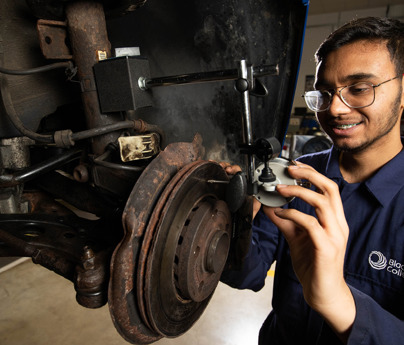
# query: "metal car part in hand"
267, 194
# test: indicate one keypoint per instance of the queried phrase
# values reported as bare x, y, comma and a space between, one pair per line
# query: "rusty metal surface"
54, 9
31, 97
14, 153
202, 253
85, 196
148, 239
89, 40
185, 242
52, 39
52, 241
91, 278
122, 287
56, 244
177, 238
56, 238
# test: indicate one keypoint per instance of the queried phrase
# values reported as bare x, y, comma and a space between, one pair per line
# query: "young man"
339, 246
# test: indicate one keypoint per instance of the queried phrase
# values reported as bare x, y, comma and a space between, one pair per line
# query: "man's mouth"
346, 126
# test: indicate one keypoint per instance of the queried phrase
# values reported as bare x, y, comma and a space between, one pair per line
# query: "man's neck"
359, 166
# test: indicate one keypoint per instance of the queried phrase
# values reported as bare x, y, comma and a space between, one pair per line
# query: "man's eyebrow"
358, 76
345, 80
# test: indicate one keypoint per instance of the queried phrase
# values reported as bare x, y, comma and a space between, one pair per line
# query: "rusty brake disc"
177, 238
122, 297
189, 250
148, 240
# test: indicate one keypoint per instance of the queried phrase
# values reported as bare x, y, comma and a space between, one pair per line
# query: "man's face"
355, 130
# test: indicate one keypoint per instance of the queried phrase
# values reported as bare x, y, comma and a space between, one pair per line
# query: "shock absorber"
89, 41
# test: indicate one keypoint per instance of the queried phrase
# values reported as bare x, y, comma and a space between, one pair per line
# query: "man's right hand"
232, 170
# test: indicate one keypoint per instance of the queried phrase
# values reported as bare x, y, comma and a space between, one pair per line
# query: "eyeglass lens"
356, 96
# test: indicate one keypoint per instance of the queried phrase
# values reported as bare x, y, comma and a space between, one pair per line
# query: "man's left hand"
317, 246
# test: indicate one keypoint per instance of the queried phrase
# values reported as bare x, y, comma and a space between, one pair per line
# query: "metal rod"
56, 65
34, 171
247, 122
101, 160
45, 257
23, 248
218, 181
263, 70
193, 78
90, 133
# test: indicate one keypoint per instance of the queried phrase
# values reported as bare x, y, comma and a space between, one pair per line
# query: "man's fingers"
256, 207
283, 224
328, 207
326, 195
230, 169
290, 222
322, 183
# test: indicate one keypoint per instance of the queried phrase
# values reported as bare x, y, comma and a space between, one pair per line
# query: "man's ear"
402, 92
402, 97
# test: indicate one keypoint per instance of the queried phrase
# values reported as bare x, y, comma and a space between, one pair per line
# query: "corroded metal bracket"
53, 38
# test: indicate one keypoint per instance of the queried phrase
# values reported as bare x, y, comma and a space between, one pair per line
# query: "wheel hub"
202, 249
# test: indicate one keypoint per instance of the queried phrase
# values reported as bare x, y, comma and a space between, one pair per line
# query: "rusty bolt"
87, 258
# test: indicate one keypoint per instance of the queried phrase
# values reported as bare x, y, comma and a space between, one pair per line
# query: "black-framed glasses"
358, 95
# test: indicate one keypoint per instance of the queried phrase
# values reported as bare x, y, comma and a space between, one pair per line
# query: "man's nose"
337, 105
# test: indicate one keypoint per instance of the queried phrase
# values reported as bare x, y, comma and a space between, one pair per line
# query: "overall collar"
383, 185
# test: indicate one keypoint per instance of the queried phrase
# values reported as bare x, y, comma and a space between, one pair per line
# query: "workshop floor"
37, 307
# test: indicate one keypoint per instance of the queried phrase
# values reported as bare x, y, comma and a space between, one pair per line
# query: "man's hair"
390, 31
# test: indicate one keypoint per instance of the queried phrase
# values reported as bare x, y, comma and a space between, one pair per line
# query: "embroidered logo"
378, 261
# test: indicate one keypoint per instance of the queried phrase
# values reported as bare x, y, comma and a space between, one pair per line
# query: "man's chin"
351, 147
